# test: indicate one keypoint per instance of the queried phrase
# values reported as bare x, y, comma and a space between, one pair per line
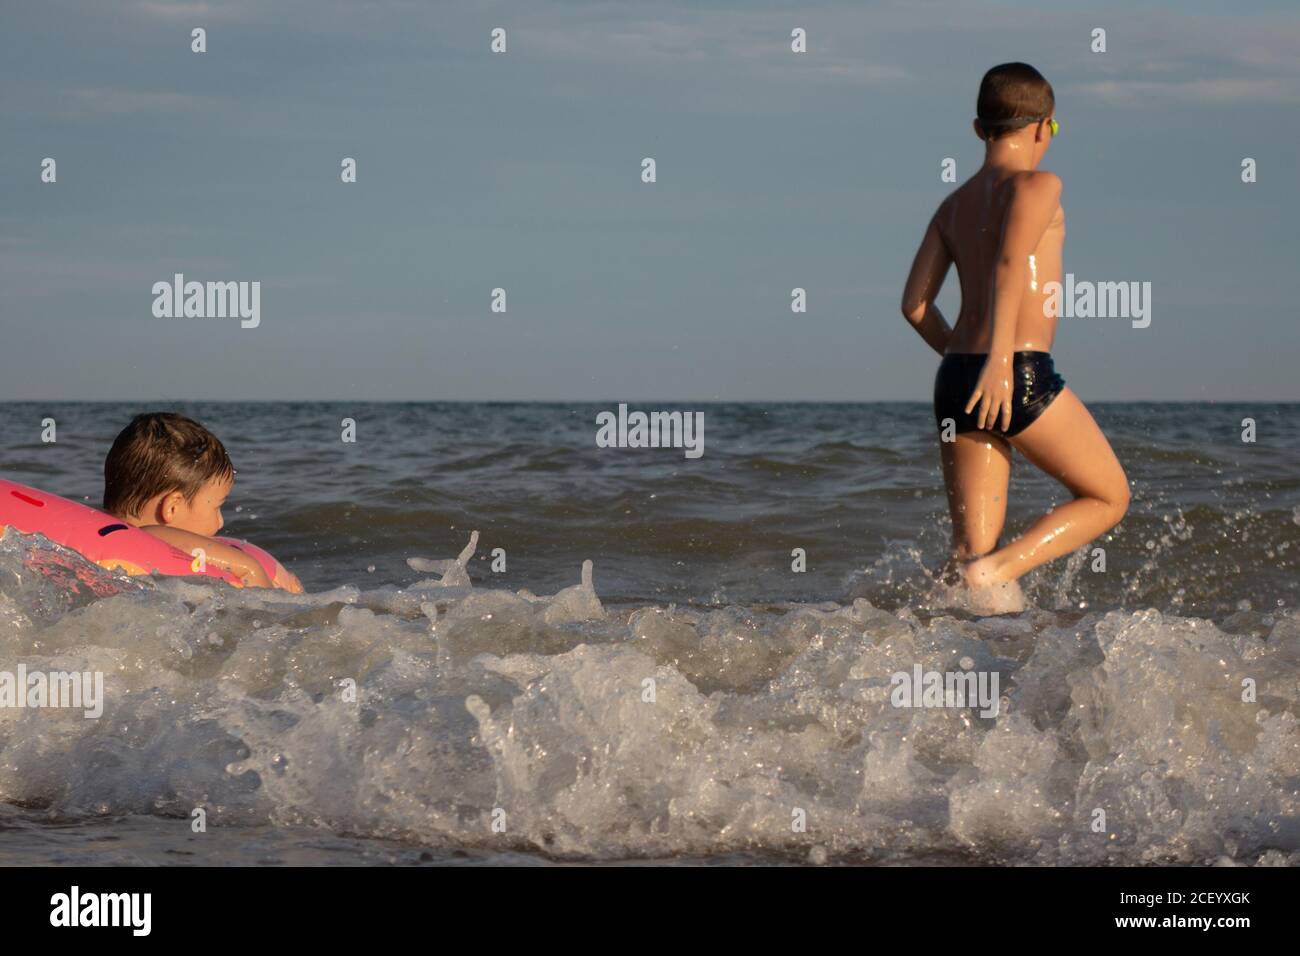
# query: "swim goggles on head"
1020, 122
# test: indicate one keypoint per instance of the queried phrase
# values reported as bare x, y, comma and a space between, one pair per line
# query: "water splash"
447, 716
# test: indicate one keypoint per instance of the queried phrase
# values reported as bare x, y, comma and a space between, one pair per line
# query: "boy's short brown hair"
157, 453
1010, 92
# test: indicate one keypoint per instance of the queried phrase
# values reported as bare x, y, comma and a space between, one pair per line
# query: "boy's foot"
950, 574
989, 594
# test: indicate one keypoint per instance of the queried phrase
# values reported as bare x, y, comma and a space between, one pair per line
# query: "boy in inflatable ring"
169, 476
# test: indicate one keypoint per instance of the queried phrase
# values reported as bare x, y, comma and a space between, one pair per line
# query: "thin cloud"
721, 40
1196, 59
1141, 93
138, 101
195, 13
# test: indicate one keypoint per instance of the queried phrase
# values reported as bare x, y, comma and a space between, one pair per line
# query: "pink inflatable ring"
106, 541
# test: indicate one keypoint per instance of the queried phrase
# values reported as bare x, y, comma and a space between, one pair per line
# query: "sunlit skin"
188, 524
1004, 229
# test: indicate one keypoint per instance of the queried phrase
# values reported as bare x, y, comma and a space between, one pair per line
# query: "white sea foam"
597, 732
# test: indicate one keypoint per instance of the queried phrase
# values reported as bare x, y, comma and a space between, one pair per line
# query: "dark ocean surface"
491, 724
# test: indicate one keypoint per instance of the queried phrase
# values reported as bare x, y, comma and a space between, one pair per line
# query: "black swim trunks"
1034, 383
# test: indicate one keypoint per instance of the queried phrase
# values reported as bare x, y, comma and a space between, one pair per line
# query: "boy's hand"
216, 553
286, 580
993, 393
253, 575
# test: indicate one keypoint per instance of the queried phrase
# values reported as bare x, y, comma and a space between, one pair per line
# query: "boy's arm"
929, 269
286, 580
1034, 200
244, 566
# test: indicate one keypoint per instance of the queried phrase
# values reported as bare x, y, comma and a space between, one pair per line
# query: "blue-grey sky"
478, 170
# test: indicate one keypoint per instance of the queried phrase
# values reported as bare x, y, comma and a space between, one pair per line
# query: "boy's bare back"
1001, 214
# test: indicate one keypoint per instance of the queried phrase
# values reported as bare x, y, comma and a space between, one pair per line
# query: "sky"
522, 170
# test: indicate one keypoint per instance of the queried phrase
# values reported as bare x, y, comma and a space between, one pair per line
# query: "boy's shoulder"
1027, 188
1036, 184
1031, 180
1030, 183
1031, 187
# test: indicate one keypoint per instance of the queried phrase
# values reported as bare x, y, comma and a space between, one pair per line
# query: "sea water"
626, 666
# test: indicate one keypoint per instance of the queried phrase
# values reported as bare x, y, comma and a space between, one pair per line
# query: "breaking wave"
446, 716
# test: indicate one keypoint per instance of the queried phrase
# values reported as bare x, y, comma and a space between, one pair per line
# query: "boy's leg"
976, 469
1065, 443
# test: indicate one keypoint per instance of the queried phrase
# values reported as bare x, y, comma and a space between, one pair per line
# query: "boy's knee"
1118, 501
